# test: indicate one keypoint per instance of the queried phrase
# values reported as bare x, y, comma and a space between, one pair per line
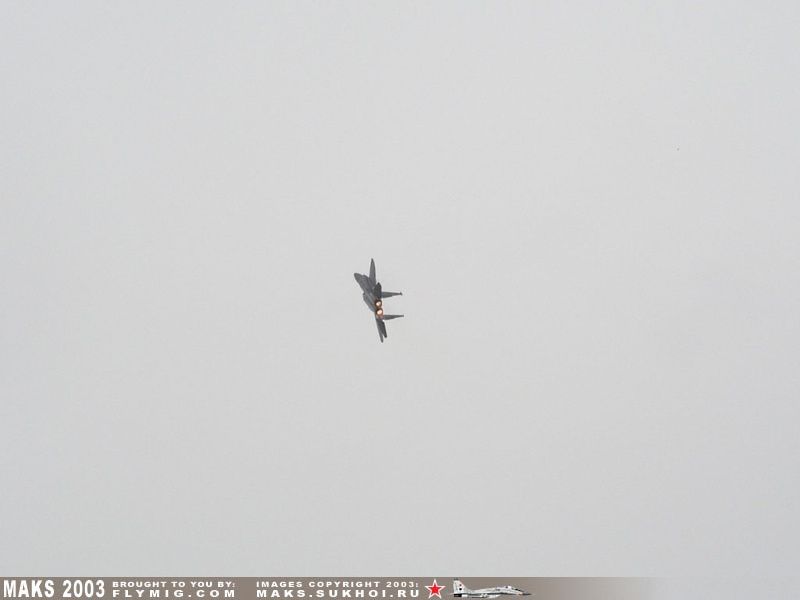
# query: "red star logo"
435, 589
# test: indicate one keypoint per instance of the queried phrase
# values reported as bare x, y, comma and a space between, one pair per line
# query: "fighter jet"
373, 297
462, 591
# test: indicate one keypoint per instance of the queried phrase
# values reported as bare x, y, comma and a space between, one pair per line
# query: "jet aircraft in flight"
462, 591
373, 297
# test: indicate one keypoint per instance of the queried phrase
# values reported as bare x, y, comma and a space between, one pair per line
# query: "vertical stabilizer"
381, 329
459, 588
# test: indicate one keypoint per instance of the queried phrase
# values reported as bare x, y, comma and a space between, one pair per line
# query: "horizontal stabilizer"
389, 294
388, 317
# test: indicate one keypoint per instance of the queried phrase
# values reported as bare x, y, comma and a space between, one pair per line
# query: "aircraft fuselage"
491, 592
368, 289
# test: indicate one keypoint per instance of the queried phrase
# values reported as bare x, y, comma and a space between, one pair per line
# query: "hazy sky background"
592, 209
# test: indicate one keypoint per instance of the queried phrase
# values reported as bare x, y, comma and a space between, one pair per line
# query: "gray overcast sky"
591, 207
